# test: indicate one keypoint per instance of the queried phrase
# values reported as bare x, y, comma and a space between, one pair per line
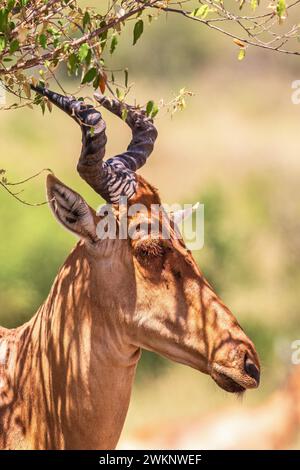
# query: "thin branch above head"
65, 33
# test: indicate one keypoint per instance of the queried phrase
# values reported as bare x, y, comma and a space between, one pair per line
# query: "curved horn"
144, 133
115, 177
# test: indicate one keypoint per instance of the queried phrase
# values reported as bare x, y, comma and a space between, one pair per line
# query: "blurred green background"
235, 149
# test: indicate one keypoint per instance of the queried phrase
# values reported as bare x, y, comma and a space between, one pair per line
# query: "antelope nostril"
251, 369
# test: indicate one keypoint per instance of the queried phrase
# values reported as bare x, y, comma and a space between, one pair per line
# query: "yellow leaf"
242, 54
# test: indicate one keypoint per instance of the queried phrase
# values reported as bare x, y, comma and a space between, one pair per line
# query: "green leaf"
201, 12
83, 52
43, 40
242, 53
14, 46
154, 111
3, 19
138, 31
149, 107
86, 19
120, 94
72, 63
2, 43
114, 43
11, 4
88, 57
103, 36
89, 76
124, 114
280, 8
96, 81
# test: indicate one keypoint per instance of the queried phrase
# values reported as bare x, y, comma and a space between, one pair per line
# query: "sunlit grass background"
235, 149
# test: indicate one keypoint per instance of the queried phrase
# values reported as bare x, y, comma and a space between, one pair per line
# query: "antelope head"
152, 292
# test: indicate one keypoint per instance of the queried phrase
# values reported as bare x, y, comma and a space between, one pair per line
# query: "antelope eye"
177, 274
149, 249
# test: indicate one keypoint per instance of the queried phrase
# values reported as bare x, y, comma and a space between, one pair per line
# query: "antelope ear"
180, 215
70, 209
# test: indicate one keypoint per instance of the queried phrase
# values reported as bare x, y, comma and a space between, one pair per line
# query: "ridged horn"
115, 177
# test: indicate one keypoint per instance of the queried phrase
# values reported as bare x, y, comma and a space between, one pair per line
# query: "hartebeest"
66, 375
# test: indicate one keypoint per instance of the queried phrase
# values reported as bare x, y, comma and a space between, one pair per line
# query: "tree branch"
77, 42
211, 24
